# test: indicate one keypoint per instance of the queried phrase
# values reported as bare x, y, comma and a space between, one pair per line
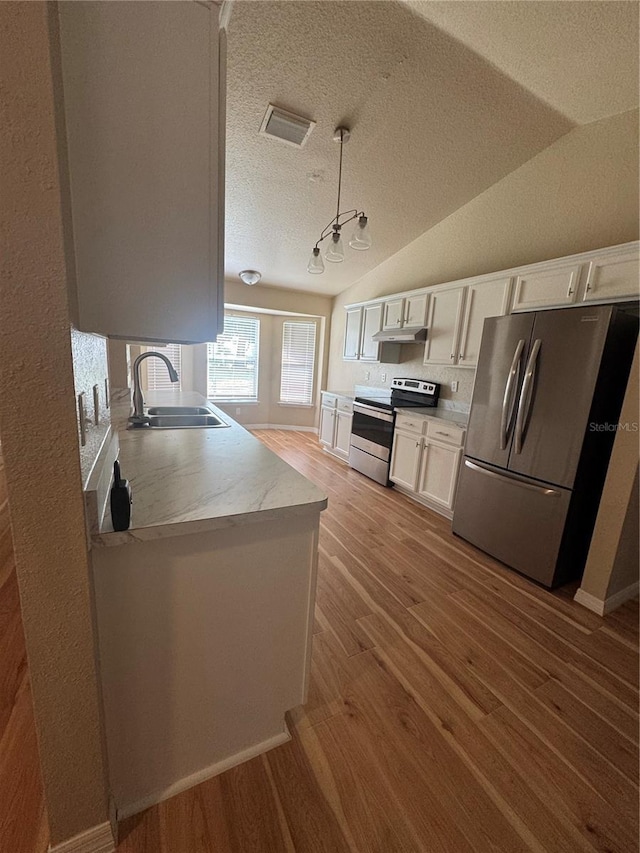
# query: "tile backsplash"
90, 368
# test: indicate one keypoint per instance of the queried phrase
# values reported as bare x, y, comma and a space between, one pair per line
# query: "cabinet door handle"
570, 290
441, 433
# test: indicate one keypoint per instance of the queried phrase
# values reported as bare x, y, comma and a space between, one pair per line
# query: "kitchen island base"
205, 643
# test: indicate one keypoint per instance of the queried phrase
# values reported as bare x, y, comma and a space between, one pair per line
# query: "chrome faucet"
138, 418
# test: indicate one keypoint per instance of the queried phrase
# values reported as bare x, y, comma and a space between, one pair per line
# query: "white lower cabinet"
405, 459
334, 432
342, 435
327, 426
425, 460
439, 473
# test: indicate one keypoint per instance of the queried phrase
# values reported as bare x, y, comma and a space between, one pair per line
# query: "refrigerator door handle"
525, 395
530, 486
509, 399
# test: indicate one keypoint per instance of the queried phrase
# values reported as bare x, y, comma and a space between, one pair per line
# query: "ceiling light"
250, 276
361, 238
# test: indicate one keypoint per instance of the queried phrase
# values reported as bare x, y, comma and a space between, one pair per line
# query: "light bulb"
335, 249
315, 265
361, 238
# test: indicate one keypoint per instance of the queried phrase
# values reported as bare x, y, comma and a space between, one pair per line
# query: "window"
157, 373
232, 362
298, 362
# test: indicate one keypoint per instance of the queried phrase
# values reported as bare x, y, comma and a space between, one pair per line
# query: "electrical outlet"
367, 375
238, 411
454, 385
384, 377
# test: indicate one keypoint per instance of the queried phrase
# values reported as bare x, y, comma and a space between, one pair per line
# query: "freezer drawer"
518, 521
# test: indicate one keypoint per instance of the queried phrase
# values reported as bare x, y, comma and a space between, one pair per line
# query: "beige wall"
581, 193
626, 567
268, 410
292, 301
39, 434
612, 564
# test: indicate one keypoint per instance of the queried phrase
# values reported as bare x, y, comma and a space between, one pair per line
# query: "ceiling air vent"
287, 127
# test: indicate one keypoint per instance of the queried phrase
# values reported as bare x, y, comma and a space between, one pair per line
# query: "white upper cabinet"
454, 313
482, 300
361, 324
614, 277
144, 95
415, 310
371, 323
393, 314
546, 287
410, 311
443, 326
352, 333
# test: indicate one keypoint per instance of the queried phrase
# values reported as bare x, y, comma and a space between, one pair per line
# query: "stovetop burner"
379, 402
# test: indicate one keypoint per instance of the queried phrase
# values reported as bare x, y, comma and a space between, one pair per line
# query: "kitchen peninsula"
204, 607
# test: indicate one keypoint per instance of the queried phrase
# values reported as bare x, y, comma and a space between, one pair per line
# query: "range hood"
408, 335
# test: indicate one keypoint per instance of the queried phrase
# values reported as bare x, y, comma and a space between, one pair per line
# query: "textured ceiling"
580, 57
433, 125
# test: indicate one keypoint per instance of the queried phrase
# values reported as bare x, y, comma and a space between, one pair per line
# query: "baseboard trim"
251, 427
98, 839
201, 776
602, 607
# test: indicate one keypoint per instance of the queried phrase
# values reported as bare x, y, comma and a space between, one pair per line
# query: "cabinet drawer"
449, 433
344, 404
329, 400
411, 423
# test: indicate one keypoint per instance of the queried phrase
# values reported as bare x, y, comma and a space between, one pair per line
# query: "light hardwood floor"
23, 825
454, 706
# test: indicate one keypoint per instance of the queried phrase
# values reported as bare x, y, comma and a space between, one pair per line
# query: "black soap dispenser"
120, 500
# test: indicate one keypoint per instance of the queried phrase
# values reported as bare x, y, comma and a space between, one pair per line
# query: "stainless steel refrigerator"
547, 396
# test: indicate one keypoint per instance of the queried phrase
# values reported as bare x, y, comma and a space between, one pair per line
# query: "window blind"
298, 362
232, 362
157, 373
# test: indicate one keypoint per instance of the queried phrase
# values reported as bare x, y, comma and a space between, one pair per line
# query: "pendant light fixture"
360, 239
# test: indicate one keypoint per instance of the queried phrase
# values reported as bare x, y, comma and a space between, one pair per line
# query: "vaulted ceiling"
443, 99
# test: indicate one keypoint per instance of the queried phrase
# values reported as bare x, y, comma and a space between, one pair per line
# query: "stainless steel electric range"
373, 423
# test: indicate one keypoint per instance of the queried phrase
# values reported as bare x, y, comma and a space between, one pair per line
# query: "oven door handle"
372, 412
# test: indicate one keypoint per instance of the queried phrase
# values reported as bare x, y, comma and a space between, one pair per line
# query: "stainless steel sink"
178, 410
185, 421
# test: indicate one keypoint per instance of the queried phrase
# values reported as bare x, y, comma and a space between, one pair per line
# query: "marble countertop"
459, 418
194, 480
339, 394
